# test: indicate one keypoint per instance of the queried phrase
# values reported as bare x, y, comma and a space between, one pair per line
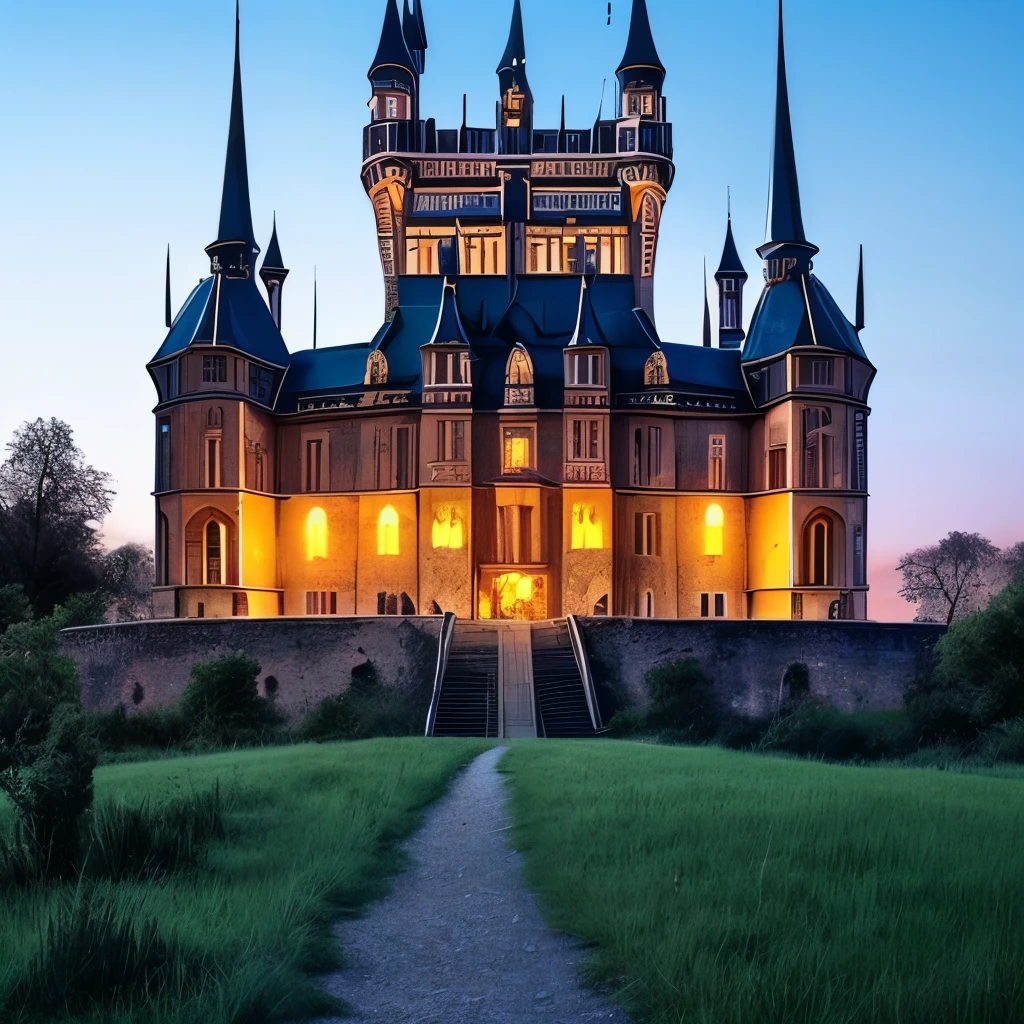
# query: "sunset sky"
909, 139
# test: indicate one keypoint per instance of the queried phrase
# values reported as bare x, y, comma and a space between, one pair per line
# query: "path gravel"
460, 940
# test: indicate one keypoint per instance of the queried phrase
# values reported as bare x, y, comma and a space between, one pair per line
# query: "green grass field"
312, 831
724, 888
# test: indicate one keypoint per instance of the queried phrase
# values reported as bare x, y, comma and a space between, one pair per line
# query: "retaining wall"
855, 666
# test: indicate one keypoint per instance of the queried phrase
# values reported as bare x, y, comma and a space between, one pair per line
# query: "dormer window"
519, 378
450, 368
639, 104
656, 370
376, 369
215, 369
585, 368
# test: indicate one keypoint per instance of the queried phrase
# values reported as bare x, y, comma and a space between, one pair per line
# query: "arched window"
818, 547
215, 417
316, 534
656, 370
214, 561
376, 369
387, 531
448, 529
714, 530
519, 369
587, 528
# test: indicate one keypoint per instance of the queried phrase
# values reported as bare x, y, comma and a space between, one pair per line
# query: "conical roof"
640, 48
731, 265
274, 260
392, 51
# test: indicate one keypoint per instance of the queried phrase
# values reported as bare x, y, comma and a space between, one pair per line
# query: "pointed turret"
449, 329
640, 73
588, 330
236, 246
786, 243
273, 274
394, 72
516, 97
730, 277
858, 325
168, 315
415, 32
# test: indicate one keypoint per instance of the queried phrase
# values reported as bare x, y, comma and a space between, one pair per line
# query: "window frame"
527, 431
716, 462
647, 534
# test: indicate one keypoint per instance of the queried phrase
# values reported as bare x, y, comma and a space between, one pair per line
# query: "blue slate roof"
514, 56
640, 48
392, 50
235, 211
242, 321
273, 259
784, 319
731, 265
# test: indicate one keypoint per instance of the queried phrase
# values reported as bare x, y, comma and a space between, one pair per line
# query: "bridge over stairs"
512, 679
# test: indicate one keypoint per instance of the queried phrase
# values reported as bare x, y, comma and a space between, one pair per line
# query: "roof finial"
168, 319
314, 306
235, 209
728, 201
859, 325
707, 309
785, 220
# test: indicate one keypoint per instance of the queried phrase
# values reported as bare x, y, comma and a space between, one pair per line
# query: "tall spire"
640, 49
707, 309
513, 60
393, 50
235, 210
730, 277
415, 32
859, 324
168, 318
273, 274
273, 260
785, 222
731, 265
314, 307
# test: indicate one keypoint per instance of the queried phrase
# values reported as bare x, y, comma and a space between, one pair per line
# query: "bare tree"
948, 580
51, 505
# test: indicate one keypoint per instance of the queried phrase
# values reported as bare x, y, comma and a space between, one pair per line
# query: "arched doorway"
819, 551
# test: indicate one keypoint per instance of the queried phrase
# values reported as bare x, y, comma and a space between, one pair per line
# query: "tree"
128, 583
947, 580
51, 505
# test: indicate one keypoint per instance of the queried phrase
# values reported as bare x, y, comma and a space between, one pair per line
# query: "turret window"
860, 452
261, 383
213, 563
646, 534
818, 462
163, 471
215, 369
451, 441
716, 462
450, 368
777, 468
585, 368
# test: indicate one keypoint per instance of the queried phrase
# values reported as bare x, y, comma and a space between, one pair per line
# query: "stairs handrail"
583, 664
444, 646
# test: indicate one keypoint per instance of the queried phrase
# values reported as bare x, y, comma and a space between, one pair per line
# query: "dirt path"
460, 939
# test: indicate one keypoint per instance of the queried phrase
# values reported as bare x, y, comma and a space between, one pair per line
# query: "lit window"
448, 530
316, 534
387, 531
519, 370
714, 529
656, 370
518, 449
587, 528
376, 369
214, 553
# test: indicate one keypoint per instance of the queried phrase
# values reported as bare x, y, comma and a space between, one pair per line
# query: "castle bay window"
730, 304
517, 449
586, 439
215, 369
450, 368
716, 462
586, 368
646, 534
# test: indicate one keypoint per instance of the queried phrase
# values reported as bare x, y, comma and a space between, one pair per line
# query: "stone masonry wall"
854, 666
309, 658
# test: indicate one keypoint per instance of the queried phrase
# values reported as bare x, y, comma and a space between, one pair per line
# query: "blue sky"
909, 139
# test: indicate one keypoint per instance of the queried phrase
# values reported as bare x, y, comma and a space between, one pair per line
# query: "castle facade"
517, 441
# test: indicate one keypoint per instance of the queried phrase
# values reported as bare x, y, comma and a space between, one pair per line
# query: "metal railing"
583, 664
444, 646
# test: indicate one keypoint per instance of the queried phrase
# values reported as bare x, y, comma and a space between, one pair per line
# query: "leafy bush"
222, 703
681, 699
145, 841
14, 606
99, 952
50, 786
978, 677
158, 728
367, 709
1004, 744
809, 728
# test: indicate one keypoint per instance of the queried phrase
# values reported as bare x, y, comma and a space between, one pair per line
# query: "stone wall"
855, 666
147, 664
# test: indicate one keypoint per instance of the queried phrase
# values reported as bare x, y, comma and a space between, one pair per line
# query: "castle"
516, 441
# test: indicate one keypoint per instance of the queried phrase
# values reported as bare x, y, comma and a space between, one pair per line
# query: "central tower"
514, 200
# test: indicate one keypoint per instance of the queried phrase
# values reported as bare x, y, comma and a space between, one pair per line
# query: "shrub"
331, 719
681, 699
142, 842
978, 677
50, 786
99, 952
1004, 744
812, 729
159, 728
14, 606
221, 702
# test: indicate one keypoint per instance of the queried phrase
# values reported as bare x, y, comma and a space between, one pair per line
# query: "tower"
516, 103
415, 32
640, 74
273, 273
731, 278
394, 72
